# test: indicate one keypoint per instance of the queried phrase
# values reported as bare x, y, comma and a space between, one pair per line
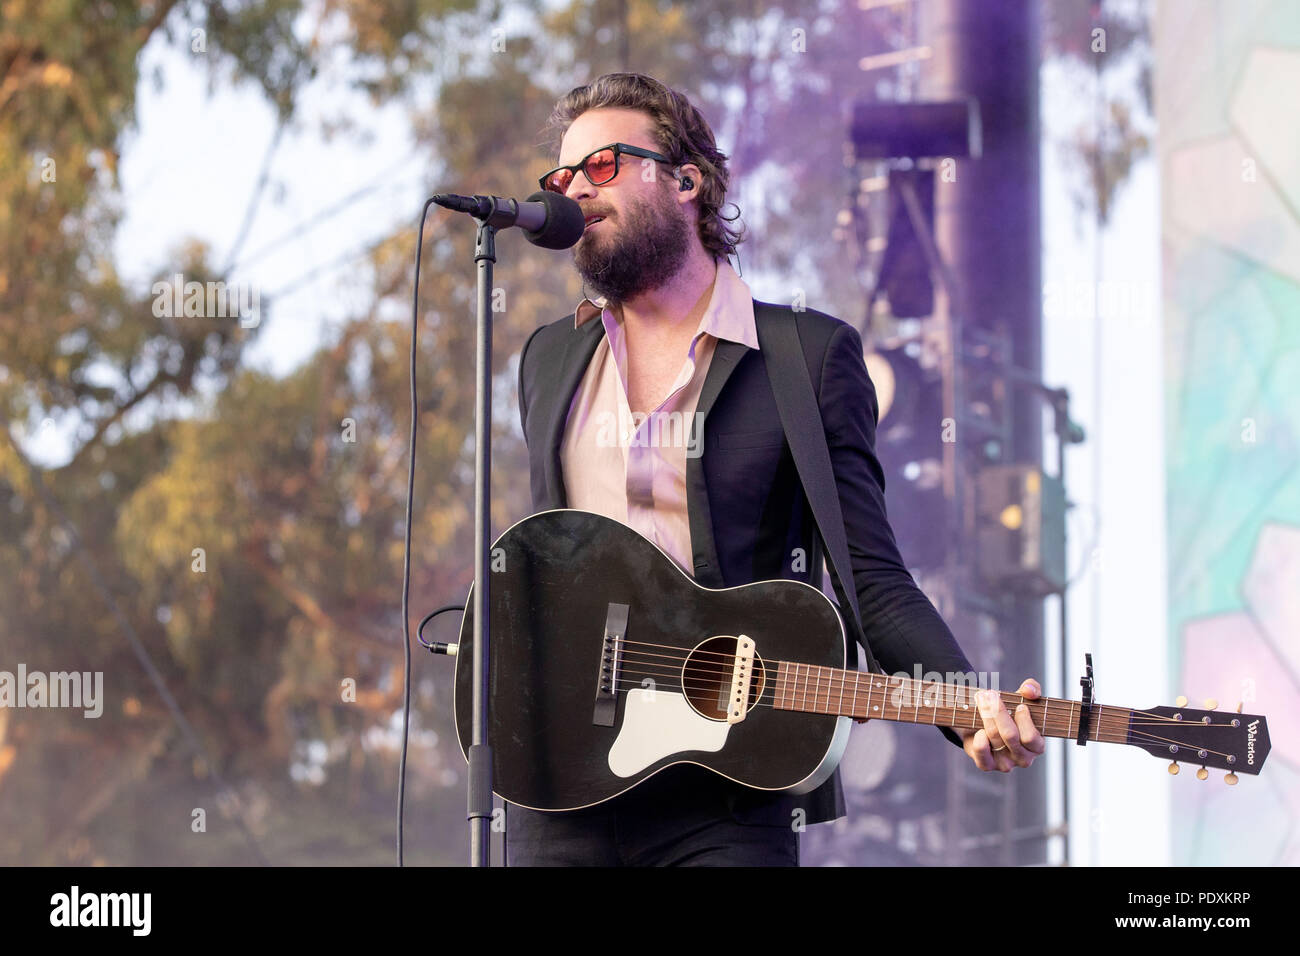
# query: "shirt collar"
729, 314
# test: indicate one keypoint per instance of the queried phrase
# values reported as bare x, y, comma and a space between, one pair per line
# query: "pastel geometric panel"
1233, 443
1228, 78
1216, 192
1275, 146
1228, 658
1216, 825
1272, 593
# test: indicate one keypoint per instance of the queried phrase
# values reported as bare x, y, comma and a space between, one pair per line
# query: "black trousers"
680, 817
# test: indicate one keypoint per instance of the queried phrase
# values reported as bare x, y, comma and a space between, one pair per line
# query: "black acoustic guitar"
609, 663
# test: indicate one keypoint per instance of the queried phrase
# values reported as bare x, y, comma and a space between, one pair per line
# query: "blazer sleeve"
903, 628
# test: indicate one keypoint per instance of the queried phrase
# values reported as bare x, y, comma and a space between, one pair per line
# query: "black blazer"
749, 520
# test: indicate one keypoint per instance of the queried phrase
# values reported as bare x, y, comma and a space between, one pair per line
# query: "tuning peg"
1239, 706
1173, 768
1202, 774
1180, 701
1211, 703
1230, 779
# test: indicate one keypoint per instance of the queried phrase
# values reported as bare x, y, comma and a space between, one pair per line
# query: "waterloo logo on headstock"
1230, 741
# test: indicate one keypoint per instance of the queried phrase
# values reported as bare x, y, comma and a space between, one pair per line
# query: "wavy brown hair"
680, 132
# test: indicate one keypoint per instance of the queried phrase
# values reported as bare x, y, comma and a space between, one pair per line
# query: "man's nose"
580, 187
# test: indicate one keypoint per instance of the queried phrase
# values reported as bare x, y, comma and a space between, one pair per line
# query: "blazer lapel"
578, 349
726, 355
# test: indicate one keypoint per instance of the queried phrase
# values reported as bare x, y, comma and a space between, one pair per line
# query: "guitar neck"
846, 693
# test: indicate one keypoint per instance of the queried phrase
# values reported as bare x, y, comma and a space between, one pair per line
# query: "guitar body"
560, 743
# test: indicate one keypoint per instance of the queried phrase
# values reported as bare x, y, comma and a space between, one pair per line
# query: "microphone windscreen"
564, 224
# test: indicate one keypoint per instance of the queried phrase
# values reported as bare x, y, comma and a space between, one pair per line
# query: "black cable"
406, 557
437, 647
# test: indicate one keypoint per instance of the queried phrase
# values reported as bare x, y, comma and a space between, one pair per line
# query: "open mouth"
592, 220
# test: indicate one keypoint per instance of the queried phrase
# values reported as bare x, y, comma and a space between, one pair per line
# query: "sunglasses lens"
600, 167
558, 181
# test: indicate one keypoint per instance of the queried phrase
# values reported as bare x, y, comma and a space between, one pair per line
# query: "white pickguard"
657, 724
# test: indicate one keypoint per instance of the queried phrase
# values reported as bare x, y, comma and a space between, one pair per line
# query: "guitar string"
837, 673
782, 689
1099, 734
838, 680
1120, 723
1008, 697
1065, 727
1116, 725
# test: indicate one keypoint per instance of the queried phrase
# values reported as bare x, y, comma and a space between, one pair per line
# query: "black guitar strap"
778, 342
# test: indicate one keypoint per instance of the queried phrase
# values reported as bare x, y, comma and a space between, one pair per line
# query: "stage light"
910, 448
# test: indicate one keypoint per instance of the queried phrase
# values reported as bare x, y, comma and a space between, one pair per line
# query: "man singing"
670, 334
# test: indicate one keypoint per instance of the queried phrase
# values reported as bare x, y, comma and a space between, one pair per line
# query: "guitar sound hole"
706, 677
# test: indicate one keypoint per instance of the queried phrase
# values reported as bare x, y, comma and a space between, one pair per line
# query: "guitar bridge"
611, 664
742, 672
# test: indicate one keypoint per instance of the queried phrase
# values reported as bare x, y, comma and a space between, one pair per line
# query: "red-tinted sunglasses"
599, 166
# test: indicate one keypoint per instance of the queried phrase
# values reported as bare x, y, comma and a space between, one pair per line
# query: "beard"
644, 251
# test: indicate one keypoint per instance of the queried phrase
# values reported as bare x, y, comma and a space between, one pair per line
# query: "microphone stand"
561, 227
480, 751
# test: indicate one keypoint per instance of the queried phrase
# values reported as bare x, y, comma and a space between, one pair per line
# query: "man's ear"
689, 180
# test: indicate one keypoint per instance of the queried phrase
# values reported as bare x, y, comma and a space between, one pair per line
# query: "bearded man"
669, 330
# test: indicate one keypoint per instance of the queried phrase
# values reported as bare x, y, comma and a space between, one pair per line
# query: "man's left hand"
1004, 742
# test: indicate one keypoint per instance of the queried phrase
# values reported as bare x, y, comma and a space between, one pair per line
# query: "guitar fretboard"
826, 690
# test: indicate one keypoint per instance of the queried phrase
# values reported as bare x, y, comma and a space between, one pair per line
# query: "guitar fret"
856, 676
840, 708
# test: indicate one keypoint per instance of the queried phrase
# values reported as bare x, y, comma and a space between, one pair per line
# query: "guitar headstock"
1235, 742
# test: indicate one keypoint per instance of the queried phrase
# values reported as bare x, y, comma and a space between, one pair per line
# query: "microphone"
548, 219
